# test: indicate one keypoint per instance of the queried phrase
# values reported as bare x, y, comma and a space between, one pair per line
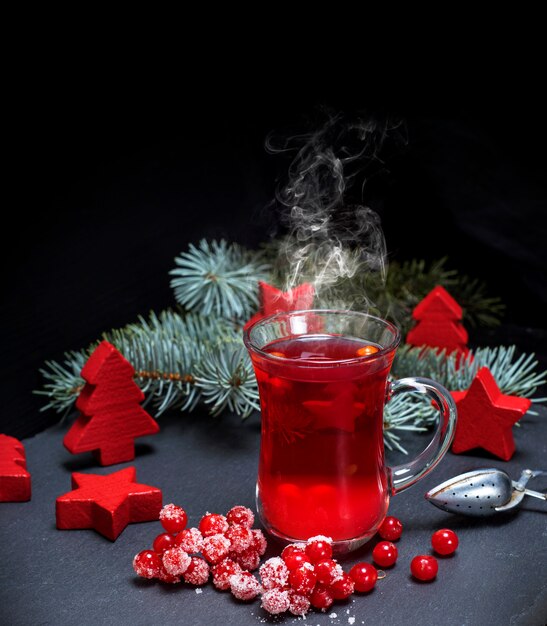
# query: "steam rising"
331, 242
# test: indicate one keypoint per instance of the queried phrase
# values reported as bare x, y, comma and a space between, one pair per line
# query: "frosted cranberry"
445, 541
190, 539
213, 524
343, 587
147, 564
274, 573
240, 538
385, 554
319, 548
163, 542
215, 548
299, 604
424, 567
364, 575
176, 561
321, 598
173, 518
276, 601
295, 557
303, 579
248, 559
166, 577
328, 571
222, 572
241, 515
391, 529
197, 572
244, 586
259, 541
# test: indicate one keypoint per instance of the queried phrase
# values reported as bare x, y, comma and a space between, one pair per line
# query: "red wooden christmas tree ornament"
439, 324
14, 477
486, 417
276, 301
107, 503
111, 417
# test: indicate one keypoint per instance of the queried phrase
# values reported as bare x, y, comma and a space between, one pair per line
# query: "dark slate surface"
498, 576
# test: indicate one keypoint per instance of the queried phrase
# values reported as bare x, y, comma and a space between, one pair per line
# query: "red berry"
222, 572
240, 538
259, 541
189, 539
343, 587
424, 567
303, 579
147, 564
241, 515
391, 529
163, 542
274, 573
364, 575
444, 541
319, 548
166, 577
321, 598
244, 586
173, 518
328, 571
275, 601
176, 561
213, 524
248, 559
215, 548
197, 572
385, 554
294, 557
299, 605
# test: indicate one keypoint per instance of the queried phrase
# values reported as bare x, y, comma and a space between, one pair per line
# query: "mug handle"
403, 476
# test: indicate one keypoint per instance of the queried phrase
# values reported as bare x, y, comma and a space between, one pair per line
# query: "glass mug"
323, 382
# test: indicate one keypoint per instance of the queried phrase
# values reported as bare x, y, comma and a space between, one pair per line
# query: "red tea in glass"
323, 383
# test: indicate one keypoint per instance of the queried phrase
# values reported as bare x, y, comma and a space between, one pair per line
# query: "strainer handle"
403, 476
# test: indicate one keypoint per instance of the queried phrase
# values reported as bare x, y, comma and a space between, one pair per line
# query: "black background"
116, 170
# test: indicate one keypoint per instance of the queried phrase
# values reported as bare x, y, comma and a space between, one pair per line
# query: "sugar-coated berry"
295, 557
274, 573
197, 572
176, 561
424, 567
244, 586
259, 541
241, 515
190, 539
385, 554
299, 604
444, 541
147, 564
276, 601
391, 529
215, 548
321, 598
319, 548
213, 524
328, 571
173, 518
163, 542
248, 559
364, 575
303, 579
240, 538
343, 587
222, 572
166, 577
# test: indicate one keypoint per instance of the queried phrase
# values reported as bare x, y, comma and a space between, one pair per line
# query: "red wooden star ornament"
276, 301
111, 417
486, 417
107, 503
14, 477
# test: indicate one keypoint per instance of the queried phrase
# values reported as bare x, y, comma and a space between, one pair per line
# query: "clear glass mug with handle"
323, 383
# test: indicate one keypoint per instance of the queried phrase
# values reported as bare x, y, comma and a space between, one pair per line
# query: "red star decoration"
486, 417
14, 477
107, 503
276, 301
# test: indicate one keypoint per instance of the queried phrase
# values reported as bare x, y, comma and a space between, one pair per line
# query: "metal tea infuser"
483, 492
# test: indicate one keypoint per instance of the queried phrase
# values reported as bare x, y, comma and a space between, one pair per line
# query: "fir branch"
219, 278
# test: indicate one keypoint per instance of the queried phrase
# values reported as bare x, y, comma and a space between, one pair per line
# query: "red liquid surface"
322, 456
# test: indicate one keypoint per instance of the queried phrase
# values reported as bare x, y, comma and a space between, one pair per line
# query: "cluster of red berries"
228, 546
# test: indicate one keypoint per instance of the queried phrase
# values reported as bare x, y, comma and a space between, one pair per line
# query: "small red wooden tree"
14, 477
111, 417
439, 323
